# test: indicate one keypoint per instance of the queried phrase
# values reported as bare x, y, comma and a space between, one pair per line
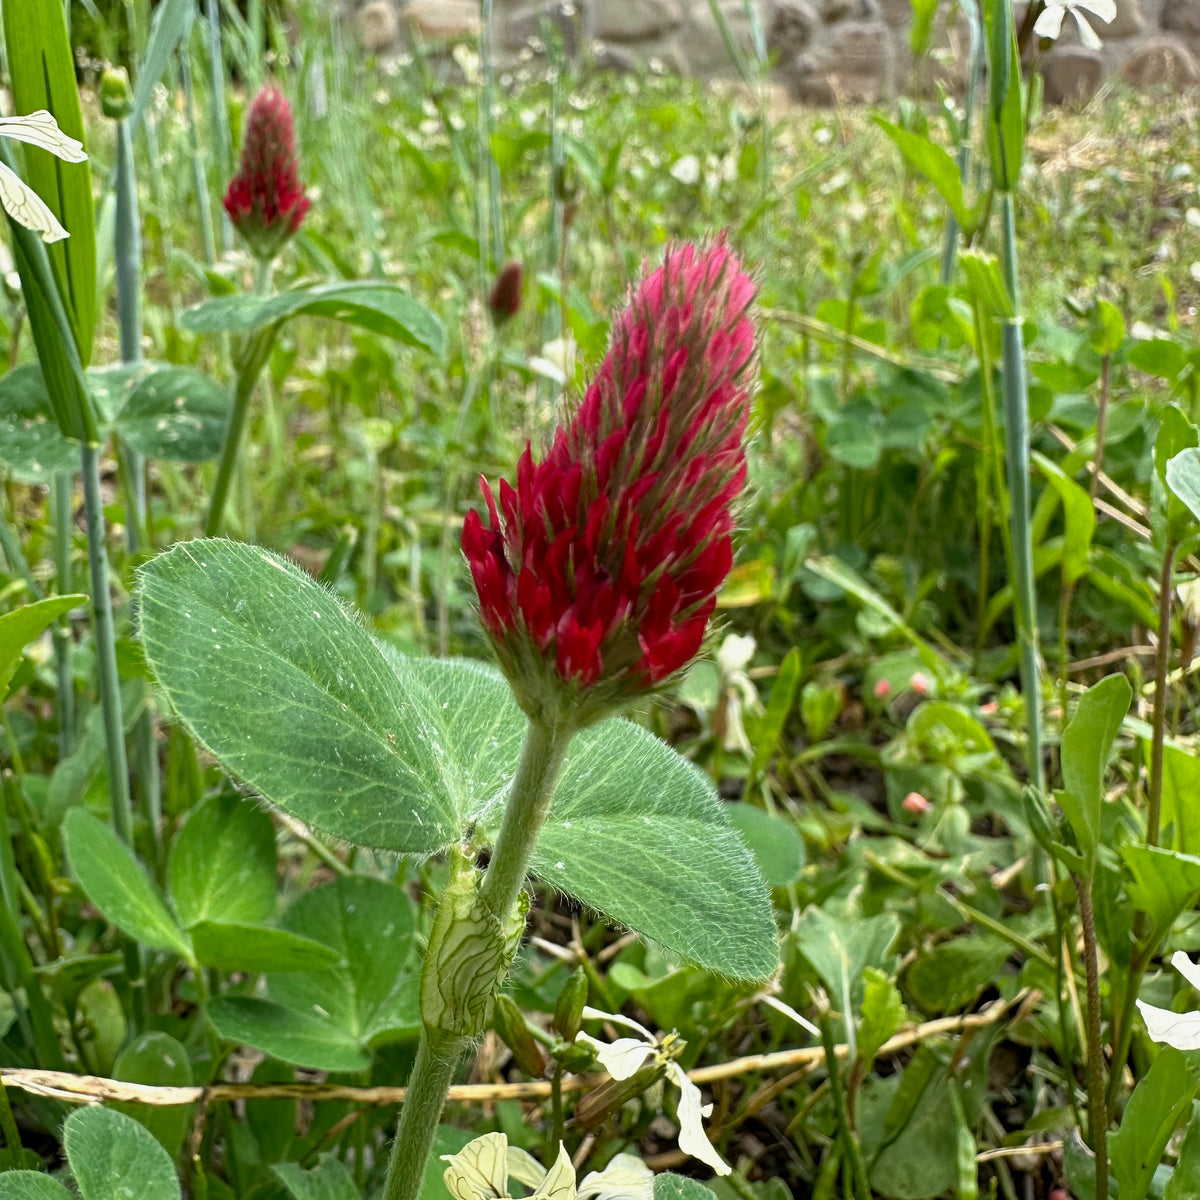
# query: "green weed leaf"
1165, 883
113, 1157
328, 1180
24, 625
936, 165
303, 1038
1161, 1097
117, 884
1086, 743
291, 693
222, 865
330, 1018
234, 947
31, 1185
381, 308
156, 1057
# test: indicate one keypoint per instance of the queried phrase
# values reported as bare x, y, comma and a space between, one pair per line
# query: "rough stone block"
1127, 23
790, 28
856, 63
377, 26
528, 24
1161, 62
1072, 73
702, 44
442, 20
635, 20
1181, 16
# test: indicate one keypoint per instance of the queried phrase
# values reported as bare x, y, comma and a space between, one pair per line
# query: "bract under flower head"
265, 199
598, 572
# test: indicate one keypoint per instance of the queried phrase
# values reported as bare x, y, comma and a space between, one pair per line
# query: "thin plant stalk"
1097, 1098
1161, 663
1101, 426
975, 61
438, 1052
249, 365
62, 505
216, 108
127, 245
127, 253
106, 649
1016, 412
10, 547
199, 175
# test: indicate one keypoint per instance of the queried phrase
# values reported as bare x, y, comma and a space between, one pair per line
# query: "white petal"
1049, 24
1106, 10
625, 1178
479, 1171
692, 1138
559, 1183
27, 208
1087, 35
622, 1058
735, 653
1181, 1030
1188, 969
524, 1168
596, 1014
41, 129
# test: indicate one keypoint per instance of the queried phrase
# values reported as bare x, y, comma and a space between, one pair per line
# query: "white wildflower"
482, 1168
20, 201
1049, 24
1181, 1030
626, 1056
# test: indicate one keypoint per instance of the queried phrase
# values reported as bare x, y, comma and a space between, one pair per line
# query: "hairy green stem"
432, 1074
529, 800
249, 366
438, 1053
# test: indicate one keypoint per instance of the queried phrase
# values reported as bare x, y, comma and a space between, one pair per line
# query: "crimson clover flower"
265, 199
597, 573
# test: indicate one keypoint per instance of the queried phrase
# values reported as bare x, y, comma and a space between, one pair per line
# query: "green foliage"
1158, 1102
389, 752
381, 308
108, 1151
21, 626
1086, 744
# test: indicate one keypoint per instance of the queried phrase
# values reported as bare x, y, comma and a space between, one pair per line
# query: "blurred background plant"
862, 709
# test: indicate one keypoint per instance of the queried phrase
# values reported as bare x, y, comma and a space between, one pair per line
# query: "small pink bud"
265, 199
504, 302
881, 689
919, 683
915, 803
990, 709
1059, 1193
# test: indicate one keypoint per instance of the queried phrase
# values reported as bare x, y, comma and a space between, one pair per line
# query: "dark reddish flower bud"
598, 571
504, 302
265, 199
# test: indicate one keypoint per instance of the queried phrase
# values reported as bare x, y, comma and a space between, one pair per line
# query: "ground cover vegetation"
899, 874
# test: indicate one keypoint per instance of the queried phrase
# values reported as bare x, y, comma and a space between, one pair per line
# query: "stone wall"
824, 51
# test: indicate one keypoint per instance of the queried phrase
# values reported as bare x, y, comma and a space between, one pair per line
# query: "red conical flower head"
598, 572
265, 199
